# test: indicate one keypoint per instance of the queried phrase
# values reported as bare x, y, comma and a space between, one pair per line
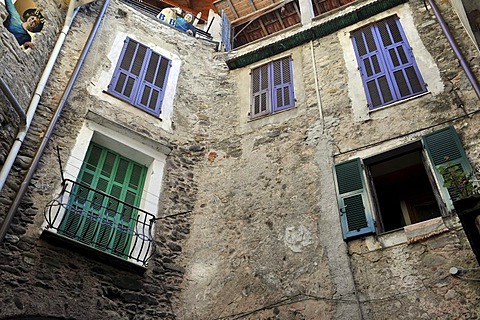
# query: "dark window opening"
404, 194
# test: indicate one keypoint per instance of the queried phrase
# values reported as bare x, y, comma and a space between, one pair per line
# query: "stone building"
287, 167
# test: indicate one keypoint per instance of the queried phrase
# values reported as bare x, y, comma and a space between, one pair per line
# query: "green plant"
459, 183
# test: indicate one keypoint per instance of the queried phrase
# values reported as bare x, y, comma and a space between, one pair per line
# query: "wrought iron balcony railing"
100, 221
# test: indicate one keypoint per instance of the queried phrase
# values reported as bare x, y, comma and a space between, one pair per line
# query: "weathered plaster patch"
297, 238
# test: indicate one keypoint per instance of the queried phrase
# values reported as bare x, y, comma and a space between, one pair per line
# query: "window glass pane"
286, 70
279, 97
129, 87
394, 30
358, 36
256, 104
393, 57
121, 171
401, 83
277, 73
402, 55
256, 80
367, 67
263, 102
372, 46
129, 54
162, 72
413, 79
385, 89
286, 95
139, 58
264, 77
374, 94
120, 82
145, 96
108, 164
93, 158
152, 67
153, 100
384, 33
135, 177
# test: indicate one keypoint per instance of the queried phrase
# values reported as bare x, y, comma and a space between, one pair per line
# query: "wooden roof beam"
233, 9
260, 12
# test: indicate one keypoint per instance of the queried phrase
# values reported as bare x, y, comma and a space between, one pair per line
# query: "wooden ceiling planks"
236, 9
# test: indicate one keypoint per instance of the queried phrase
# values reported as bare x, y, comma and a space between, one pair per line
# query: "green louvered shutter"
355, 213
444, 147
99, 221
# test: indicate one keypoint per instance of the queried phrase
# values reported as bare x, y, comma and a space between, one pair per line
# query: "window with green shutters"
101, 210
445, 148
388, 191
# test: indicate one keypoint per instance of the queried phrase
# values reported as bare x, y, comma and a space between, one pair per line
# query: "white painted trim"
120, 141
425, 63
99, 84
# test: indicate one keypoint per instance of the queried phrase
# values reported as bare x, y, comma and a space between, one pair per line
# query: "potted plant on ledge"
465, 194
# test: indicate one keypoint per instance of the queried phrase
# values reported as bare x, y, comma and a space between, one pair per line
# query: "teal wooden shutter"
99, 221
355, 214
445, 148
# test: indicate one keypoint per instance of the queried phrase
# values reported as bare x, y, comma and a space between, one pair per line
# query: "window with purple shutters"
272, 87
140, 77
386, 63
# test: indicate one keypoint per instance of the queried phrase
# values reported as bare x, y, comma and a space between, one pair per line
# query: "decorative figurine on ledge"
185, 24
32, 21
173, 16
169, 15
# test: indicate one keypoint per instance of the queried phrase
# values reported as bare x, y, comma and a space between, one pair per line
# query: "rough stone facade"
248, 223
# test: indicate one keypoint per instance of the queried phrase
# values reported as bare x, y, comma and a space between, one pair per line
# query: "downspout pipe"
14, 102
36, 160
12, 155
455, 48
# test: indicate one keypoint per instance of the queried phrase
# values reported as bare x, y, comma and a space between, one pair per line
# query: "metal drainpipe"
53, 122
32, 108
15, 104
455, 48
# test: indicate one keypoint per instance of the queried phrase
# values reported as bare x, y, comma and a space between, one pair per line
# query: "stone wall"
43, 279
21, 70
248, 219
271, 245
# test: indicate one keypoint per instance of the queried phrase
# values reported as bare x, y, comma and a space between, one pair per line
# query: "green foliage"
459, 184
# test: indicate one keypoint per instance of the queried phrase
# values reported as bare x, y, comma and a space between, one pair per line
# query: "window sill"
250, 119
396, 103
156, 116
91, 253
407, 235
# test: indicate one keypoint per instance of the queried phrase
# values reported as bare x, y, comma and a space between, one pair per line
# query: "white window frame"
120, 141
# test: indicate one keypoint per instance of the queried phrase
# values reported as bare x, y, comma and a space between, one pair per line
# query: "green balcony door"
97, 220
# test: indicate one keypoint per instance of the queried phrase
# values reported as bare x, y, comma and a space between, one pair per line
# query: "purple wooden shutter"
372, 68
152, 87
399, 58
260, 91
282, 89
386, 63
124, 82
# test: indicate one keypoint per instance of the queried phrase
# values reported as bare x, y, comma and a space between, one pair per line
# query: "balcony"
96, 222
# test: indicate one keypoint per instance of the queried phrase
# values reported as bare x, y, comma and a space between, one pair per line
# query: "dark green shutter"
104, 222
445, 148
355, 213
